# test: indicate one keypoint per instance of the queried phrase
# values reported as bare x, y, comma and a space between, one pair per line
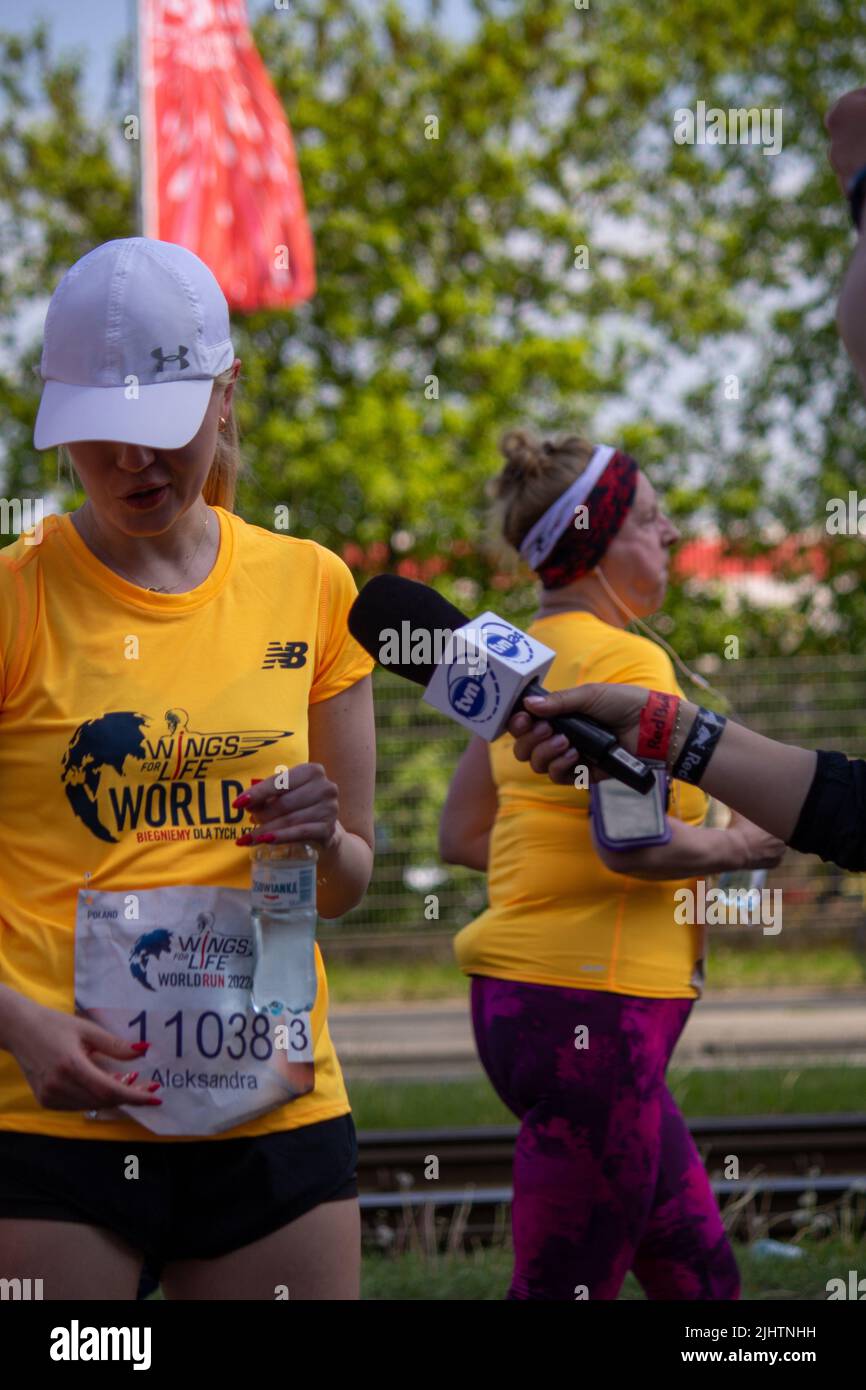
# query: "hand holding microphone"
681, 735
620, 707
617, 707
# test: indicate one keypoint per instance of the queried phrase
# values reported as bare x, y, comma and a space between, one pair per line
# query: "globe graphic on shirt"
159, 747
98, 744
150, 946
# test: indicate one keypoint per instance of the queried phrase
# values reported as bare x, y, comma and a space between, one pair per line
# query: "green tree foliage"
449, 304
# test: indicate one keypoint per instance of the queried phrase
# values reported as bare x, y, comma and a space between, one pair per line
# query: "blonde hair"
220, 485
536, 472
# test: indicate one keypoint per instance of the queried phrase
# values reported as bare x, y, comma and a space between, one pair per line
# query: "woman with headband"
175, 685
582, 979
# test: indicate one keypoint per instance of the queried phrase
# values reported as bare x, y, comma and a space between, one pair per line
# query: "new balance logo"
179, 356
285, 654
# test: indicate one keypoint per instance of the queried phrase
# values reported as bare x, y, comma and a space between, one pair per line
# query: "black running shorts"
191, 1200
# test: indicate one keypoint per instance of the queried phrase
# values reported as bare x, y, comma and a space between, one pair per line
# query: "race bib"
174, 967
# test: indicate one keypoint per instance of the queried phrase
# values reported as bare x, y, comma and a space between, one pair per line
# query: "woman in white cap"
168, 671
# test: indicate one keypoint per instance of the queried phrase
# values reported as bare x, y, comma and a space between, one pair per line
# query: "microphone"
484, 689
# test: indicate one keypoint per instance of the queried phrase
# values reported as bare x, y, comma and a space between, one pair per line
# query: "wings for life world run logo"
477, 695
124, 774
199, 958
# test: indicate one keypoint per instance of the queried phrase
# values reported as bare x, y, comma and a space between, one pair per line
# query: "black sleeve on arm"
832, 821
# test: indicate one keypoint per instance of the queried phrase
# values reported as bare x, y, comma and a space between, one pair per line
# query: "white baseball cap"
135, 333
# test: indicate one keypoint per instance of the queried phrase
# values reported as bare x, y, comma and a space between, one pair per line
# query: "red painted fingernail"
154, 1086
243, 839
263, 839
242, 800
154, 1100
140, 1047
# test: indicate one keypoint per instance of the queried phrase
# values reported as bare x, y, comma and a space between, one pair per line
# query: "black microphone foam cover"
387, 601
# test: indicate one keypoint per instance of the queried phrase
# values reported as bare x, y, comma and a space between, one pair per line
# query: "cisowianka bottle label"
286, 885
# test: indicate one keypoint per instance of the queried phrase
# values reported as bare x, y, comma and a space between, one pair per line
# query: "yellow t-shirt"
223, 676
557, 915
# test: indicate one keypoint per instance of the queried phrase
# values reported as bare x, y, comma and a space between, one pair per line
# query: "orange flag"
219, 173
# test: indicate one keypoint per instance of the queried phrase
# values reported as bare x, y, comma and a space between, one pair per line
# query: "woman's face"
142, 491
636, 561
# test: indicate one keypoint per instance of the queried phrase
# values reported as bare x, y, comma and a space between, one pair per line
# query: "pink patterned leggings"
607, 1178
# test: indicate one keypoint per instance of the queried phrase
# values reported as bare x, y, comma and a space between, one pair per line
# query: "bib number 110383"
178, 976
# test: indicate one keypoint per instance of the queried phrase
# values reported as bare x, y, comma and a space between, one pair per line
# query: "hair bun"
524, 454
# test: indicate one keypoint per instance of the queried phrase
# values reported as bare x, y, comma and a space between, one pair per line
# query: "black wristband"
699, 746
856, 193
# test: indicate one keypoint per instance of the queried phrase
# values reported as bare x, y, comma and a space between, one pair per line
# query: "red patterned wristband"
656, 725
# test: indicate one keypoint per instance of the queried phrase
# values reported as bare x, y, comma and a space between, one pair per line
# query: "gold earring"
222, 422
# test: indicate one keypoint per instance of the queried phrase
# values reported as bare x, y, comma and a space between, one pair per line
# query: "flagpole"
132, 10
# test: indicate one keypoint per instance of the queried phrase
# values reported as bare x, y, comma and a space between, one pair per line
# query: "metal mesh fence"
817, 702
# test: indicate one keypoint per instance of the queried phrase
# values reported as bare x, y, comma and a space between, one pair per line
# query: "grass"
484, 1274
423, 1104
750, 1091
827, 967
761, 967
770, 1090
393, 982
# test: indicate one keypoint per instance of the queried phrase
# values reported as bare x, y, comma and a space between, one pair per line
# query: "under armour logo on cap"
179, 356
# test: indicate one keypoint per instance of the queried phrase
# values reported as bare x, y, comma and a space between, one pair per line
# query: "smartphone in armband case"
625, 819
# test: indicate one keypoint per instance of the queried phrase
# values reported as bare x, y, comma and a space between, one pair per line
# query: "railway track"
795, 1171
790, 1172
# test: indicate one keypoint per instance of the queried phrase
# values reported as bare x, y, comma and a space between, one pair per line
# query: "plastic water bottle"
780, 1249
735, 882
283, 910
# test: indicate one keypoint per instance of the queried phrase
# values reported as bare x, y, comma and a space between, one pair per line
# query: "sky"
96, 27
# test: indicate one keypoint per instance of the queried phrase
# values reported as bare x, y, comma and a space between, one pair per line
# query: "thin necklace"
159, 588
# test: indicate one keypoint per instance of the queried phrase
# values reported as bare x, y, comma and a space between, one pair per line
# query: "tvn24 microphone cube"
493, 663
